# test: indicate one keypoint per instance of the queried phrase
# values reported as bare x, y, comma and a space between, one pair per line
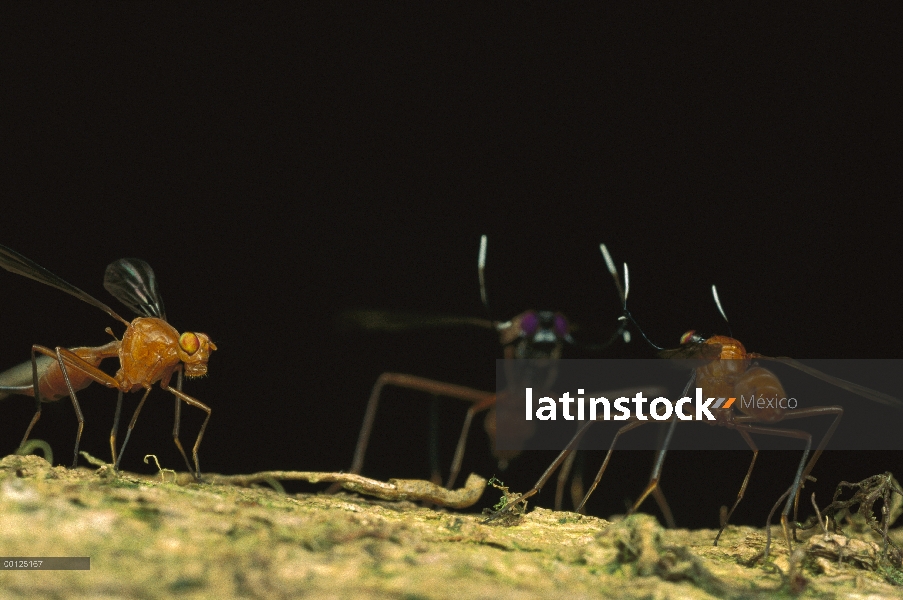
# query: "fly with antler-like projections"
534, 334
722, 367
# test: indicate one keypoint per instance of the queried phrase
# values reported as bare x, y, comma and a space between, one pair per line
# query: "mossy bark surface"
153, 539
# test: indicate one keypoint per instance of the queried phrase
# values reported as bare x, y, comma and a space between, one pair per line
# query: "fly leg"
178, 419
128, 432
652, 487
66, 359
197, 404
414, 383
572, 445
749, 471
478, 406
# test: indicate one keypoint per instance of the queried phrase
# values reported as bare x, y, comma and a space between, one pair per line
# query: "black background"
277, 165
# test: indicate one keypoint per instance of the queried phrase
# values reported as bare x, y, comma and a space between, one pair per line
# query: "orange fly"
723, 368
150, 351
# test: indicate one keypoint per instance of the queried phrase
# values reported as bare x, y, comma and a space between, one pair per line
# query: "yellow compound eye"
189, 342
688, 337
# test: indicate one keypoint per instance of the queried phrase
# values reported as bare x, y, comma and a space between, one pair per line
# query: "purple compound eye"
529, 323
561, 326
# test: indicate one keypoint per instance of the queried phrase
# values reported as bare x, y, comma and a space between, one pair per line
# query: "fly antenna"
629, 317
626, 333
481, 268
614, 272
622, 331
721, 310
626, 284
610, 264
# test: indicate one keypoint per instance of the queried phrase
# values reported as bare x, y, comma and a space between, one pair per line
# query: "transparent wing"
382, 320
14, 262
618, 334
693, 355
843, 384
132, 282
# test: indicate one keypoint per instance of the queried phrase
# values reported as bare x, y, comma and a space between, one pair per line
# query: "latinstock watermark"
547, 408
541, 404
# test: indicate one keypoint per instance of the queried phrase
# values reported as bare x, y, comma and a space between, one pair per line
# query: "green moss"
148, 514
153, 540
187, 584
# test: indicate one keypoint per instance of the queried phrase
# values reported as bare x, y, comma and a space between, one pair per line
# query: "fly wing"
132, 282
843, 384
382, 320
619, 333
693, 355
14, 262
